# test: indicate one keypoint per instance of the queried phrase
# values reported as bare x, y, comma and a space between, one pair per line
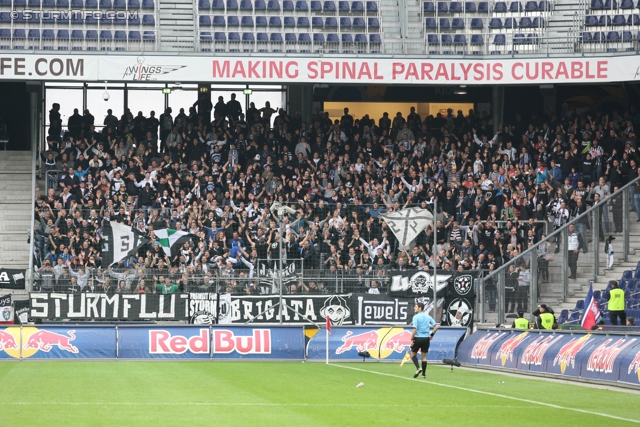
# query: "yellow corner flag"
406, 358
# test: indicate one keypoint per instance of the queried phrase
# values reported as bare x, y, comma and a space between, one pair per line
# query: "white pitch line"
373, 405
488, 393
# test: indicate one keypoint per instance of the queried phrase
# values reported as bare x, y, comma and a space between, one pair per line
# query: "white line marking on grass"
488, 393
373, 405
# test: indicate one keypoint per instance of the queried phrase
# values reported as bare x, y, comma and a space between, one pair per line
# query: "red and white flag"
328, 324
591, 315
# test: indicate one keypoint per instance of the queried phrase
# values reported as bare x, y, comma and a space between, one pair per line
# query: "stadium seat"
347, 39
148, 20
627, 274
597, 5
345, 23
455, 7
148, 4
317, 22
148, 36
372, 6
121, 35
633, 19
477, 24
373, 23
332, 38
537, 22
318, 38
204, 21
445, 24
430, 23
134, 4
106, 35
591, 21
457, 23
261, 21
483, 7
525, 22
611, 4
495, 23
218, 21
246, 5
275, 22
357, 7
63, 35
273, 6
233, 21
580, 305
259, 5
302, 6
510, 23
500, 6
343, 6
62, 3
329, 6
460, 39
626, 4
477, 40
287, 6
205, 36
587, 37
531, 6
316, 6
359, 24
246, 21
500, 39
331, 23
604, 20
443, 7
119, 4
618, 20
429, 7
104, 4
91, 4
470, 7
77, 35
304, 38
135, 36
515, 7
303, 22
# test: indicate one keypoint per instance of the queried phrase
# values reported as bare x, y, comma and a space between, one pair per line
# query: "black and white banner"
268, 274
98, 306
6, 313
406, 224
120, 241
11, 279
203, 308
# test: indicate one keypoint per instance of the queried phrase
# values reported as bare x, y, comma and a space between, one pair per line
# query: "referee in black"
421, 337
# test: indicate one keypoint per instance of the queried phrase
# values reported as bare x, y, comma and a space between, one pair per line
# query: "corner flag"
328, 324
591, 315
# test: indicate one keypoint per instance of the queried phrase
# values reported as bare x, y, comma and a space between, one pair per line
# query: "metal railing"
610, 216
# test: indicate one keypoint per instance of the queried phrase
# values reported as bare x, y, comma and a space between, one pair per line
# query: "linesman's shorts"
422, 344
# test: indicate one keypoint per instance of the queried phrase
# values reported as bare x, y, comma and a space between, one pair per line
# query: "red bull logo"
7, 341
481, 348
507, 347
162, 342
379, 343
225, 342
604, 356
27, 341
534, 353
635, 365
567, 354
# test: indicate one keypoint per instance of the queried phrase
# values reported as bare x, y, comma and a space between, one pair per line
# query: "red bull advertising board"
609, 357
386, 343
57, 342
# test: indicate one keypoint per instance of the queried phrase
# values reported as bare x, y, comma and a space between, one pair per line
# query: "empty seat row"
478, 23
288, 5
483, 7
288, 37
76, 35
617, 20
77, 19
611, 36
289, 22
613, 4
82, 4
475, 39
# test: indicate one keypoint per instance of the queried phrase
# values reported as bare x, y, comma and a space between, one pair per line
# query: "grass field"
294, 394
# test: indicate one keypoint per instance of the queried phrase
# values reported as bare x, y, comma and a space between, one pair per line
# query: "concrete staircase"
391, 26
564, 26
15, 208
176, 25
414, 37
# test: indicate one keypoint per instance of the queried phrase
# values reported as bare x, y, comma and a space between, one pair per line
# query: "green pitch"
119, 394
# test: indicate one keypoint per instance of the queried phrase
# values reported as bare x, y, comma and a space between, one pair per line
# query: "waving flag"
120, 241
172, 240
591, 315
406, 224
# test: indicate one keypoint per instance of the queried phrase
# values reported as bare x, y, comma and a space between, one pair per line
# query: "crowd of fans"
217, 177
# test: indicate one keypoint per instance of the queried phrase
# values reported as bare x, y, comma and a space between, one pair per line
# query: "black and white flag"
406, 224
120, 241
6, 315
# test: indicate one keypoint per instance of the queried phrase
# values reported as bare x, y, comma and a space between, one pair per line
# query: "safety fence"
216, 342
613, 357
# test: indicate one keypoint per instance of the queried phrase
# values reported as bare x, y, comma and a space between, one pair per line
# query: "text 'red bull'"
603, 357
162, 342
480, 349
225, 342
534, 353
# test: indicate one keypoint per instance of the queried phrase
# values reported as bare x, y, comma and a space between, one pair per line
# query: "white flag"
120, 241
406, 224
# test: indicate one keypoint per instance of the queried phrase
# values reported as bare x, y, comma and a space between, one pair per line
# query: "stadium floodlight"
166, 90
247, 92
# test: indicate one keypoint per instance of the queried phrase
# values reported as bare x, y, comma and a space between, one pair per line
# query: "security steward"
546, 319
520, 322
616, 305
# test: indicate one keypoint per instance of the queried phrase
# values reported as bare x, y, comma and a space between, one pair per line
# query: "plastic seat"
443, 7
119, 4
332, 38
232, 5
148, 20
233, 21
347, 39
318, 38
315, 6
499, 39
287, 6
135, 36
331, 23
633, 19
289, 22
48, 35
204, 5
275, 38
119, 35
510, 23
63, 35
329, 6
206, 36
433, 39
531, 6
604, 20
358, 23
626, 4
372, 6
343, 6
246, 5
106, 35
519, 39
597, 4
477, 24
374, 39
537, 22
248, 37
104, 4
477, 40
77, 35
470, 7
148, 4
495, 23
445, 24
500, 6
611, 4
483, 7
134, 4
303, 22
218, 21
274, 21
455, 7
515, 7
446, 39
525, 22
457, 23
304, 38
627, 36
459, 39
618, 20
345, 23
91, 4
317, 22
302, 6
204, 21
591, 21
261, 21
357, 7
273, 6
627, 274
429, 7
373, 23
259, 5
360, 39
